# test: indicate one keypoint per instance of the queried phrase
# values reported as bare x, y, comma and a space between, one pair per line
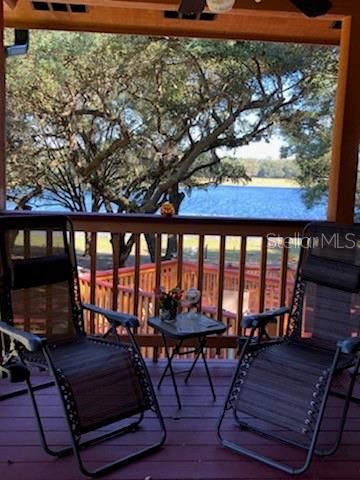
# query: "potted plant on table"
169, 302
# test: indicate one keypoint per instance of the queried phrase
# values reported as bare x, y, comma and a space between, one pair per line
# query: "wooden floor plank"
192, 450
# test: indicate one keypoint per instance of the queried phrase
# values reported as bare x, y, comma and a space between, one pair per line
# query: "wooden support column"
346, 137
2, 112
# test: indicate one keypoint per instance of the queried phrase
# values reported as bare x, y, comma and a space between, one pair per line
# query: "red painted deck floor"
191, 451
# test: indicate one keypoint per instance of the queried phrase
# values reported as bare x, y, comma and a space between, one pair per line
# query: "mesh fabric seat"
103, 380
283, 385
100, 382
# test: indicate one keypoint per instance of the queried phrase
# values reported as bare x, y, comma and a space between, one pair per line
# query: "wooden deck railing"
147, 301
245, 270
261, 277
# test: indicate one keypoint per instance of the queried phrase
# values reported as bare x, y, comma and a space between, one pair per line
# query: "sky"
261, 149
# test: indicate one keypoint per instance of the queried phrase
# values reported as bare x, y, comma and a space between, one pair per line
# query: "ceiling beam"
280, 8
150, 22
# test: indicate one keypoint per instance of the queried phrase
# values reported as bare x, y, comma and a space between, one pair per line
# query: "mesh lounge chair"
42, 324
283, 385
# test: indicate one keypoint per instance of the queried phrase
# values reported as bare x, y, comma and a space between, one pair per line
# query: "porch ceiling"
276, 20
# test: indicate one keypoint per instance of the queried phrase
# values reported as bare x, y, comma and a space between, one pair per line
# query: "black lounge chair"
100, 382
281, 387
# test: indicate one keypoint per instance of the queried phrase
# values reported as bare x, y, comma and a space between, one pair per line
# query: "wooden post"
343, 171
2, 112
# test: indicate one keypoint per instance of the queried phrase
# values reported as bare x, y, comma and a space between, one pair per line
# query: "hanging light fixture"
313, 8
220, 6
191, 7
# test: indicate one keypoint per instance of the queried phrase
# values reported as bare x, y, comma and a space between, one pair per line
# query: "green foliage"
263, 168
309, 130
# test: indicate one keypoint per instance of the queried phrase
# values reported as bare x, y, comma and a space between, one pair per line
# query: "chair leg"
252, 454
50, 451
267, 460
233, 380
348, 397
77, 447
116, 464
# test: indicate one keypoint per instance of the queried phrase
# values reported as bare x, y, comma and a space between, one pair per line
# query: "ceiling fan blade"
189, 7
312, 8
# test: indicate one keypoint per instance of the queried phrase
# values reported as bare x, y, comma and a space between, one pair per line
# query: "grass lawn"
273, 182
212, 248
191, 242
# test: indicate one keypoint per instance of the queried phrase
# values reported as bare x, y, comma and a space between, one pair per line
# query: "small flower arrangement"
167, 209
168, 302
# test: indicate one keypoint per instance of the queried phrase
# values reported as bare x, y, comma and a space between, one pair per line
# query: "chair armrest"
116, 319
349, 345
31, 342
262, 319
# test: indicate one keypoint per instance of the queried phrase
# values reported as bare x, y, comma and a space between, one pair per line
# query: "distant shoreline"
266, 182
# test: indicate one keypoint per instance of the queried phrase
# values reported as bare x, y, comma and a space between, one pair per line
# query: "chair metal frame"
253, 344
14, 361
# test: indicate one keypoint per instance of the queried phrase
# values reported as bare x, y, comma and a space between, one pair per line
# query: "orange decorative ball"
167, 209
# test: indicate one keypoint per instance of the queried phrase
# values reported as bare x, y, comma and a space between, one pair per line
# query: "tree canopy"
309, 131
138, 120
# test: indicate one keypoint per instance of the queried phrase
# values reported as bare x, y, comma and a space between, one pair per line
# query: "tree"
309, 131
136, 120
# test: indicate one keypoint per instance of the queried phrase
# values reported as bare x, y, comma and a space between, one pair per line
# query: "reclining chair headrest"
331, 273
38, 271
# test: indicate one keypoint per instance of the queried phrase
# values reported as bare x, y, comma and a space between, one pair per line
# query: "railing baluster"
264, 243
200, 268
242, 265
93, 250
157, 267
49, 288
136, 275
157, 281
71, 237
221, 277
27, 300
283, 281
180, 256
116, 264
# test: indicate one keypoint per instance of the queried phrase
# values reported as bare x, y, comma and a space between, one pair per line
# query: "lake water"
241, 201
251, 202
